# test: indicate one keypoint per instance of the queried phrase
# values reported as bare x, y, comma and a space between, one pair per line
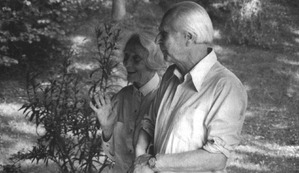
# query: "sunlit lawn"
17, 134
270, 134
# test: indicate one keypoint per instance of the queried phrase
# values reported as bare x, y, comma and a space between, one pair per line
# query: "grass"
270, 133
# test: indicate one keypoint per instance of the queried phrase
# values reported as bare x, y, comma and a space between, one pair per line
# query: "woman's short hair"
154, 60
192, 18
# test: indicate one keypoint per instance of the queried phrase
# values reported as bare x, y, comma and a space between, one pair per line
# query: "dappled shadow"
276, 29
17, 133
270, 133
290, 23
257, 155
273, 124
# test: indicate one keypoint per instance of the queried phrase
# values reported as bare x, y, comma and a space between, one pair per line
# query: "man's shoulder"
221, 81
222, 75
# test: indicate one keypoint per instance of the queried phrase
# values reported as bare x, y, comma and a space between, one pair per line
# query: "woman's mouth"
130, 73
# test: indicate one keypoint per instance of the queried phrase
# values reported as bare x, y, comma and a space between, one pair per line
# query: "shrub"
254, 22
33, 30
60, 105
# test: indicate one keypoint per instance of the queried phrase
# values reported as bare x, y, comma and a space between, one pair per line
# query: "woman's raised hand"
103, 108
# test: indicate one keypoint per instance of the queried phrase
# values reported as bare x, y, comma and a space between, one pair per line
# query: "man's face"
134, 62
170, 40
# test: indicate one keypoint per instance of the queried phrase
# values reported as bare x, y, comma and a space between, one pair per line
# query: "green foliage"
107, 60
28, 26
253, 22
33, 29
60, 105
71, 132
13, 168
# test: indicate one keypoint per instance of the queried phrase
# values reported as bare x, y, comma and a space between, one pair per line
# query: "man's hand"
142, 169
103, 110
142, 160
141, 164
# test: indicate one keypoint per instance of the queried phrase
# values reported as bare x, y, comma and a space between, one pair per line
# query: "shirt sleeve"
108, 145
148, 122
226, 117
150, 116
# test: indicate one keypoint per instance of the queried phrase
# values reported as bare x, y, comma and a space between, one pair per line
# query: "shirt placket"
171, 110
137, 96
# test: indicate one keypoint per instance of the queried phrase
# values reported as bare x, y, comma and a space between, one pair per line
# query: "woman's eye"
126, 57
137, 58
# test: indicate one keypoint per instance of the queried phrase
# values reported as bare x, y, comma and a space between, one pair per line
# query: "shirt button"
131, 130
131, 151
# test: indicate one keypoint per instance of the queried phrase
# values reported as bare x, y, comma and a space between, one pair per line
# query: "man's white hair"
192, 18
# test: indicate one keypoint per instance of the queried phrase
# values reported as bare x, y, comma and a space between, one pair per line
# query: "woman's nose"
128, 63
158, 38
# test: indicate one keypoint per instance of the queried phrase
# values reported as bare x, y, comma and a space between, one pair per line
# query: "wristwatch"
152, 163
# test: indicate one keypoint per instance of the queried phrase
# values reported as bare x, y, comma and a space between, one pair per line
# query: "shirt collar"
150, 85
199, 71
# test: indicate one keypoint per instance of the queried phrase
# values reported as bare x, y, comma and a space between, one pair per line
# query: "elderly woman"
120, 117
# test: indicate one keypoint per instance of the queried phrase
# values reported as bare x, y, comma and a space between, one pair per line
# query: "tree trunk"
118, 9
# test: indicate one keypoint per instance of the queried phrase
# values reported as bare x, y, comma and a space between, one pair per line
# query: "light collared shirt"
131, 104
202, 110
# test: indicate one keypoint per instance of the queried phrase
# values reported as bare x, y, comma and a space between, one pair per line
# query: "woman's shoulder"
125, 91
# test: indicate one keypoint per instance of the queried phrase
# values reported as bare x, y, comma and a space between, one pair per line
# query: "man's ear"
190, 38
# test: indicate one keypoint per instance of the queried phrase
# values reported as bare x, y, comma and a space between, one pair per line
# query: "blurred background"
54, 54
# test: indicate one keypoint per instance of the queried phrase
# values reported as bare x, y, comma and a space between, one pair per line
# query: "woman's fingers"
92, 106
102, 100
97, 100
108, 99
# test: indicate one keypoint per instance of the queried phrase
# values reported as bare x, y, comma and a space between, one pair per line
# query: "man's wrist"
152, 163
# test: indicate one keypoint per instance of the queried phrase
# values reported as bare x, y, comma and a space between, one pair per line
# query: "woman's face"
134, 62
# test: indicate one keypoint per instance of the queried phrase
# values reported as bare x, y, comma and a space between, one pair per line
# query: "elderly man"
198, 113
